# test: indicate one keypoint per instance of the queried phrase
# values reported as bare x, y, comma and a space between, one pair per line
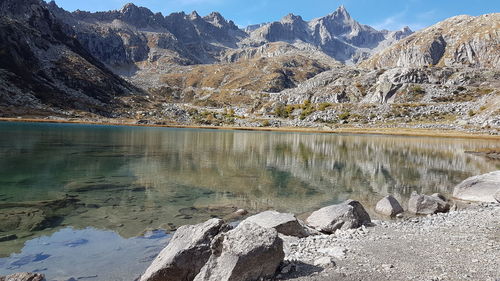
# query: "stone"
387, 267
440, 196
284, 223
186, 253
241, 212
482, 188
426, 205
248, 252
389, 206
236, 215
286, 269
347, 215
25, 276
336, 252
497, 196
324, 262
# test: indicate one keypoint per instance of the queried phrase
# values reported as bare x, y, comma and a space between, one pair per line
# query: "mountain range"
135, 64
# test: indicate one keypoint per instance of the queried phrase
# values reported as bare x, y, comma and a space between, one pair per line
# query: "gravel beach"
459, 245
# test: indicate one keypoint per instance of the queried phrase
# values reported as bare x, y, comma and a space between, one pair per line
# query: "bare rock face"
186, 253
426, 205
458, 41
248, 252
25, 276
337, 34
349, 214
284, 223
389, 206
483, 188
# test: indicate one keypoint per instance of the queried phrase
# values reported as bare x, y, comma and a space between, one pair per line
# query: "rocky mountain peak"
341, 13
140, 16
194, 16
128, 8
406, 30
217, 20
291, 18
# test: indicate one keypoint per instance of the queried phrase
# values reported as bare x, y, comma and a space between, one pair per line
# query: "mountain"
459, 41
44, 71
192, 69
135, 34
336, 34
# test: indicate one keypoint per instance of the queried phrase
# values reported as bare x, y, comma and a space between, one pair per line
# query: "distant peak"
194, 15
342, 11
406, 29
291, 18
129, 6
215, 15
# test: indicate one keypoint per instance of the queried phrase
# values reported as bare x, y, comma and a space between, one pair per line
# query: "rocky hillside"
44, 71
135, 34
206, 70
458, 41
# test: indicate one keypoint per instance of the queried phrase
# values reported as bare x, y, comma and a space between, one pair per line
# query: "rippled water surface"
67, 190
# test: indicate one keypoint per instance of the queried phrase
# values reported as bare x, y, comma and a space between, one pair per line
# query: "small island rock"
25, 276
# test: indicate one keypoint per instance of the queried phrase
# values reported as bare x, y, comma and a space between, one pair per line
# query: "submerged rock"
8, 237
426, 205
248, 252
284, 223
389, 206
25, 276
350, 214
186, 254
483, 188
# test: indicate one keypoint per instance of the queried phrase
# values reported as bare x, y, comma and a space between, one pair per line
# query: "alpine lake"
90, 202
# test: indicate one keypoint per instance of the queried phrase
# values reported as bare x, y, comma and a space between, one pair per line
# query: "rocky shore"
434, 239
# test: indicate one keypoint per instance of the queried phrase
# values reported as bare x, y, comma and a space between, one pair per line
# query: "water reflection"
133, 179
88, 254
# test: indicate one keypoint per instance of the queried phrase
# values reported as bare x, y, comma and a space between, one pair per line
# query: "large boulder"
284, 223
479, 188
349, 214
389, 206
248, 252
186, 253
25, 276
420, 204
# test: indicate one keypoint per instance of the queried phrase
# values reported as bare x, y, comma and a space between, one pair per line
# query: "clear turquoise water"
117, 183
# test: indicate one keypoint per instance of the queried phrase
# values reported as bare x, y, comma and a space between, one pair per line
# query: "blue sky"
388, 14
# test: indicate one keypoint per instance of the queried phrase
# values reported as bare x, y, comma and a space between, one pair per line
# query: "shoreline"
398, 249
398, 131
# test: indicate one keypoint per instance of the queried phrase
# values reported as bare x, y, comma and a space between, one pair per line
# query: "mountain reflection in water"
131, 180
